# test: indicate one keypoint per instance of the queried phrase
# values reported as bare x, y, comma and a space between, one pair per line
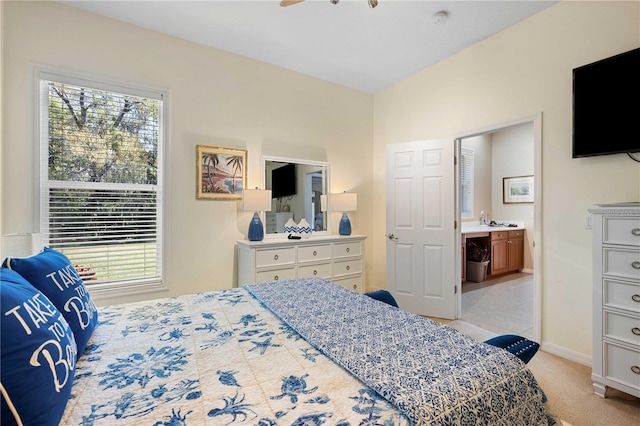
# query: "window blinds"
466, 180
100, 173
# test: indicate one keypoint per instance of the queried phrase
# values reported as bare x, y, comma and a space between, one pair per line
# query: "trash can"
477, 271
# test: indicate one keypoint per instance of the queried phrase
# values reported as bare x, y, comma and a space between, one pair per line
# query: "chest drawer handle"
275, 257
635, 265
316, 273
636, 297
348, 249
348, 268
635, 369
276, 278
315, 253
636, 331
636, 232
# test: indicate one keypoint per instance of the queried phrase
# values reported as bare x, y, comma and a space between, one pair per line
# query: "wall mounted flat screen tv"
283, 181
606, 106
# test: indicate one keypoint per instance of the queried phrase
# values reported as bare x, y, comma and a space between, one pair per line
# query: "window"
466, 180
101, 179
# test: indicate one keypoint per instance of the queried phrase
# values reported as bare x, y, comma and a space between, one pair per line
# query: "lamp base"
256, 230
345, 225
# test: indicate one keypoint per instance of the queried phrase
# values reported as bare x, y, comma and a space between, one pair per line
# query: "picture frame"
221, 173
517, 189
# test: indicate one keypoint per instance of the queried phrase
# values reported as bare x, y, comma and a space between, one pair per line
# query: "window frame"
120, 288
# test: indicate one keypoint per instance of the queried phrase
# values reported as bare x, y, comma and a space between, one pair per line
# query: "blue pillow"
52, 273
38, 357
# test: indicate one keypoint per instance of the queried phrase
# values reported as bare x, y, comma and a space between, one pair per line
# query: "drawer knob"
275, 257
348, 267
348, 249
636, 297
355, 286
635, 369
636, 232
276, 278
636, 331
316, 273
315, 253
635, 265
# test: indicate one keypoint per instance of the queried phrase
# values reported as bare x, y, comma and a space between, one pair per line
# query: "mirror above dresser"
296, 186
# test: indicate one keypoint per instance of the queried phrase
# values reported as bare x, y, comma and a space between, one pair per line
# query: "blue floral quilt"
431, 372
218, 358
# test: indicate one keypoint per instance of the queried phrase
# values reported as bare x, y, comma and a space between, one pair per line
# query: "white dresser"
276, 221
616, 298
338, 258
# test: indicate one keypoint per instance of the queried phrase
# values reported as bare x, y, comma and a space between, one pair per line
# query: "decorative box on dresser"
337, 258
616, 298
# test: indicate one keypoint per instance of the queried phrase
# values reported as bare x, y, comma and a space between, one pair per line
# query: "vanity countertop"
475, 227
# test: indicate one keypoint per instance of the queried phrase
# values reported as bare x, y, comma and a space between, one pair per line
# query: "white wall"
216, 98
515, 74
513, 156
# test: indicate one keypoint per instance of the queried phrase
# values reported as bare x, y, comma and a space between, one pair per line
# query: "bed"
295, 352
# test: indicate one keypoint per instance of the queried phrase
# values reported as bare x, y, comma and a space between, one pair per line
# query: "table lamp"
256, 200
345, 202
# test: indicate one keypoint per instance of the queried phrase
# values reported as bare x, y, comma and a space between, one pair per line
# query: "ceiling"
346, 43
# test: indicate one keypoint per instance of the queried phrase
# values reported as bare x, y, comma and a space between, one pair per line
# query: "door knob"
392, 237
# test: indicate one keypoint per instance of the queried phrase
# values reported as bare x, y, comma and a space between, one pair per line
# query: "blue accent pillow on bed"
38, 355
52, 273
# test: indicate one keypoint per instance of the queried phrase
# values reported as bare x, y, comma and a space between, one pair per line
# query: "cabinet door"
499, 257
516, 254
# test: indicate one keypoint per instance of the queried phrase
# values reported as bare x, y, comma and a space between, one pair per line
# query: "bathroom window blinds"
466, 180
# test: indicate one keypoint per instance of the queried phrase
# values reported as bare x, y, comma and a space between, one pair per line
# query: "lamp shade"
255, 200
345, 202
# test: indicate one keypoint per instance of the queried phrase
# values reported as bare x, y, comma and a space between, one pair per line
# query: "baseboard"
565, 353
526, 271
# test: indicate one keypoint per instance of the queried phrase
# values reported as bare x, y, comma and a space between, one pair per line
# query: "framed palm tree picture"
221, 172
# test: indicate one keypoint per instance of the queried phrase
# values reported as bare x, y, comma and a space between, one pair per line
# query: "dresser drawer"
621, 263
314, 253
275, 257
622, 365
352, 283
622, 327
347, 250
348, 267
275, 275
621, 230
322, 270
621, 295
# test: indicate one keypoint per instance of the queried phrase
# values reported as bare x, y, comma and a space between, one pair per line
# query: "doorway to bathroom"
503, 303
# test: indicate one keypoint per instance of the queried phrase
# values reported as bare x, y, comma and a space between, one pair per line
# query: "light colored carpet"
569, 389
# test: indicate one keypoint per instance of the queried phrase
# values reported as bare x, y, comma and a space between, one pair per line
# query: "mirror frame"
327, 188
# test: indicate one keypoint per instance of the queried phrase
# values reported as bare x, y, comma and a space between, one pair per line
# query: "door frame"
536, 120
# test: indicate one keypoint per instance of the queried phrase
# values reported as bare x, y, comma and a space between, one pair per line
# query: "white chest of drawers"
275, 222
616, 298
337, 258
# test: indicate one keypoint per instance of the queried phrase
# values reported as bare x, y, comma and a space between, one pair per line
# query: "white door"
421, 209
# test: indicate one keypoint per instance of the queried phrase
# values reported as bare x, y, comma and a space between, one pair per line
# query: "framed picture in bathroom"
517, 189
